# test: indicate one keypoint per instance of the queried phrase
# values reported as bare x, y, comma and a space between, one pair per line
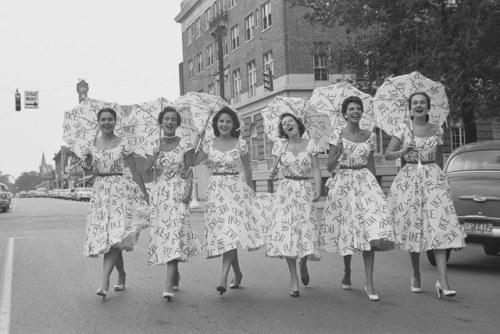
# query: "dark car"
474, 173
4, 198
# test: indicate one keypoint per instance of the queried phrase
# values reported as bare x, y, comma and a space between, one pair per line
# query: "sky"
127, 51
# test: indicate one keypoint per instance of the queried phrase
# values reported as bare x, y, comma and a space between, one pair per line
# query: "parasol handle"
278, 161
189, 166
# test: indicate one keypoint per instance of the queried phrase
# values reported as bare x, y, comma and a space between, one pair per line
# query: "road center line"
5, 302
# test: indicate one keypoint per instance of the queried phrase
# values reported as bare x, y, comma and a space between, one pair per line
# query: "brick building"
262, 37
258, 38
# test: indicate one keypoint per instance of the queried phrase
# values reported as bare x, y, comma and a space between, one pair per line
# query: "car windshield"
475, 160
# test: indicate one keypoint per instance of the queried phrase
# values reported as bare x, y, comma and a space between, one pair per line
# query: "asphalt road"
51, 288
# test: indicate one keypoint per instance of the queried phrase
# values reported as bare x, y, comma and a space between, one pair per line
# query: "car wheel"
490, 249
432, 259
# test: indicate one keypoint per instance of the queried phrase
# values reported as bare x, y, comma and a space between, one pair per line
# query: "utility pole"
218, 33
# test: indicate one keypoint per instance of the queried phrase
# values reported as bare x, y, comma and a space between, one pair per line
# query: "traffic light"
18, 101
268, 80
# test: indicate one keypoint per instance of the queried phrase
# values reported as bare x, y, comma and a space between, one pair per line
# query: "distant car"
4, 198
474, 173
22, 194
32, 193
83, 194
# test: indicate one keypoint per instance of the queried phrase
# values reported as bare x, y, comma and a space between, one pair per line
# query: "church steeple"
43, 164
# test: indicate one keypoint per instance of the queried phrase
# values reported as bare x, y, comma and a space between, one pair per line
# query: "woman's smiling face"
354, 112
225, 124
290, 126
419, 105
107, 122
169, 123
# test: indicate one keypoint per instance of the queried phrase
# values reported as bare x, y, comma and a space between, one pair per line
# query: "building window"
266, 15
268, 148
249, 25
188, 35
210, 56
235, 37
217, 86
320, 69
237, 85
232, 3
268, 62
211, 89
254, 142
457, 136
199, 63
256, 21
208, 18
252, 78
197, 27
190, 69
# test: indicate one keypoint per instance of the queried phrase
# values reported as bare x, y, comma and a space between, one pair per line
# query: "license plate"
478, 227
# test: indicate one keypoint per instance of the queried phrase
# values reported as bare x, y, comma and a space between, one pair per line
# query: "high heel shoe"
373, 298
168, 295
447, 293
235, 285
346, 283
413, 288
102, 293
177, 279
294, 293
121, 287
221, 289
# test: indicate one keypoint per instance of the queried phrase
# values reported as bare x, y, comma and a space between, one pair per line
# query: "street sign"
31, 100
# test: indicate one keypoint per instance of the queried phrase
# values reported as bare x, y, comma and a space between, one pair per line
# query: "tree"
456, 42
4, 178
28, 181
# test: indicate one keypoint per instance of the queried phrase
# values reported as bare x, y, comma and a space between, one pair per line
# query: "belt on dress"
109, 174
225, 173
421, 162
297, 178
353, 167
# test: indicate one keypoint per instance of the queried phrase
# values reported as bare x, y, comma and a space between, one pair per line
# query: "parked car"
31, 193
474, 173
22, 194
4, 198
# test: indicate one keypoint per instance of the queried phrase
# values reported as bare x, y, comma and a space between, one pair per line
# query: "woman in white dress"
420, 197
172, 238
356, 217
230, 224
293, 231
111, 224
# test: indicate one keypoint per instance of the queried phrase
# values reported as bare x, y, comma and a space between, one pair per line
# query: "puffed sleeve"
439, 135
335, 136
278, 147
399, 133
313, 149
242, 147
372, 142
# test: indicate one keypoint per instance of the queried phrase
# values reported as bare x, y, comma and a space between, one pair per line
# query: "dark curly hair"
103, 110
282, 133
166, 110
427, 98
351, 99
235, 131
